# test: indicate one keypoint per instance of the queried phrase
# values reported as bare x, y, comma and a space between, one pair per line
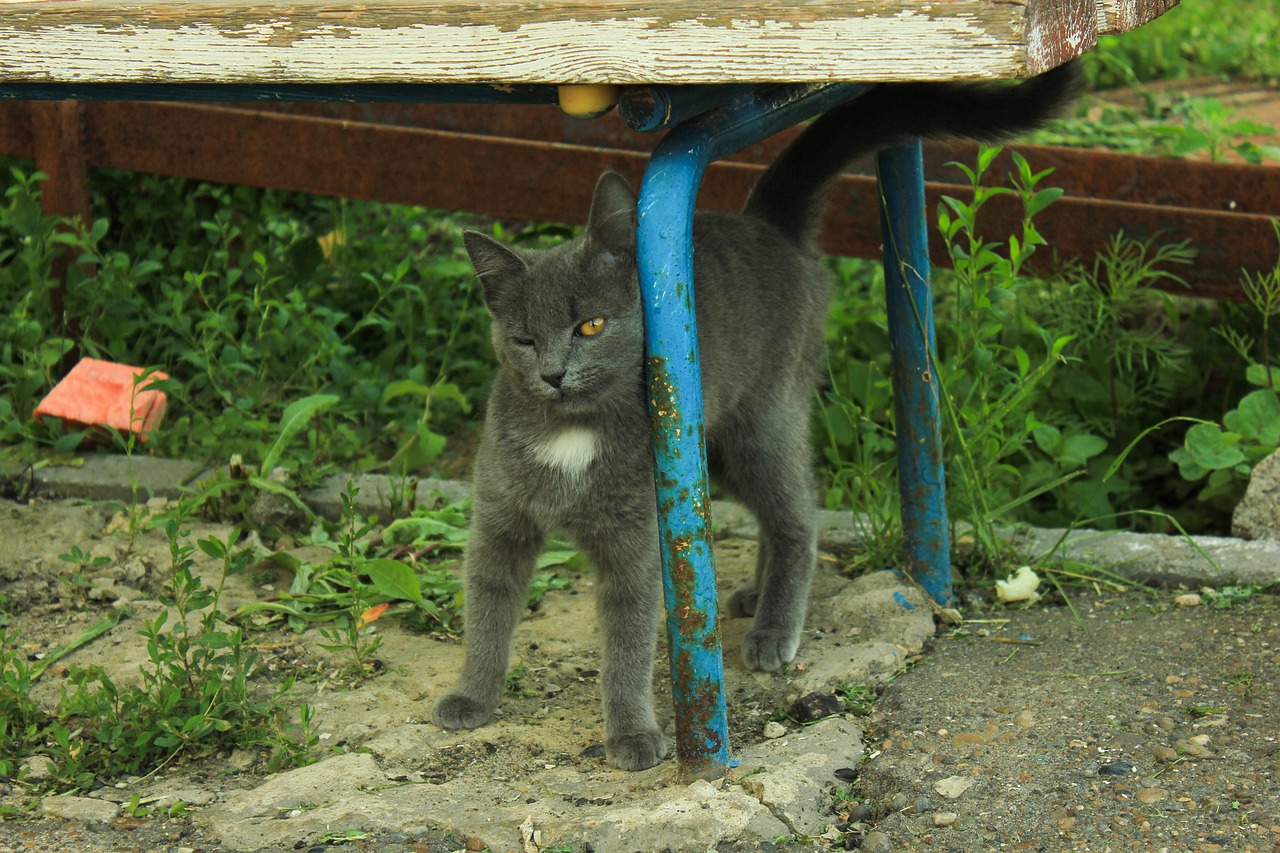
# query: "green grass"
1195, 38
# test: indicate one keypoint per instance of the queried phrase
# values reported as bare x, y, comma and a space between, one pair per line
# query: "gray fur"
761, 296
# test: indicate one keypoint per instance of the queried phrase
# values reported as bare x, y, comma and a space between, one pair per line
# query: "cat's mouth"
569, 399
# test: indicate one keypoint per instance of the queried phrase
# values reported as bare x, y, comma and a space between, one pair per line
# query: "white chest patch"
569, 451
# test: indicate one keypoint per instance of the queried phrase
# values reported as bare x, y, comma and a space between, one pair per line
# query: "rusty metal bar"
57, 134
1223, 210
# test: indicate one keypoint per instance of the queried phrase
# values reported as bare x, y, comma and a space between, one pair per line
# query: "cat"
566, 443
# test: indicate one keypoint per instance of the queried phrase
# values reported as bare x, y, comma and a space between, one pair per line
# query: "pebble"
1195, 747
1119, 768
953, 786
39, 768
859, 813
1151, 795
773, 730
1166, 754
944, 818
1188, 599
877, 842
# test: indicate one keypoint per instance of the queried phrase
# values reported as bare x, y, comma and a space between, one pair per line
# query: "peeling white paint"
674, 42
632, 51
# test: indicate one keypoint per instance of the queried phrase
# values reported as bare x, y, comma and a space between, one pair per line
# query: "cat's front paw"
637, 750
456, 711
742, 602
767, 651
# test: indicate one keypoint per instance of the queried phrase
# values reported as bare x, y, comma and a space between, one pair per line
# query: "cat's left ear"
612, 224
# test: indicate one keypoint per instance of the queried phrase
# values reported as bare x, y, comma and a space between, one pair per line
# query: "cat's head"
567, 327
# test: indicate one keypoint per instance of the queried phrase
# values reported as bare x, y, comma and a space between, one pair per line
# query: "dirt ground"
1122, 722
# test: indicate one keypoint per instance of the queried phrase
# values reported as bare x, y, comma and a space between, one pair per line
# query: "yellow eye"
592, 327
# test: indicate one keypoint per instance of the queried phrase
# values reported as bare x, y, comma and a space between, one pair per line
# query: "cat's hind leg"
765, 463
499, 563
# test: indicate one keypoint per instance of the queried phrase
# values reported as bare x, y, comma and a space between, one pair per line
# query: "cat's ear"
612, 224
493, 262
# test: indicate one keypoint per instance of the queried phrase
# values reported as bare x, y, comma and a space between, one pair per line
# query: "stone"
876, 842
1257, 516
953, 786
891, 632
83, 809
296, 809
797, 771
275, 508
1194, 747
38, 768
773, 730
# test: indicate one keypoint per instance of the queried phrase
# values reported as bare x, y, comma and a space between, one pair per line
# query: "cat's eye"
592, 327
523, 342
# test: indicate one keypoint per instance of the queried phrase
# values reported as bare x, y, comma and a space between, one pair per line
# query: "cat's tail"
791, 193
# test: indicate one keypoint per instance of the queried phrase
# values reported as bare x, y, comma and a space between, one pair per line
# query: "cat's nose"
553, 379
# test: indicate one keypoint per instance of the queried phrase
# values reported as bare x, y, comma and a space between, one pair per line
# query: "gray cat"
566, 441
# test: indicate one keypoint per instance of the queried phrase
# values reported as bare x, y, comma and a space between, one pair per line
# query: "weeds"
194, 695
1223, 456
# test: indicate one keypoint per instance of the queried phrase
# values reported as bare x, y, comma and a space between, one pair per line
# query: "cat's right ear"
494, 263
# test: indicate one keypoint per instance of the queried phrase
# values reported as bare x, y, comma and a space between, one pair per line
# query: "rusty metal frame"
535, 163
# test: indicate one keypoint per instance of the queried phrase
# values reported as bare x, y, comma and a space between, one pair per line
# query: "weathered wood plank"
1120, 16
566, 41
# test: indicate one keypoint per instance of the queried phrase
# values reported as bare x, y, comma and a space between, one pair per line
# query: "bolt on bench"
719, 76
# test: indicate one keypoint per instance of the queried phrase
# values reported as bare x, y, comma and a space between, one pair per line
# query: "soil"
1122, 721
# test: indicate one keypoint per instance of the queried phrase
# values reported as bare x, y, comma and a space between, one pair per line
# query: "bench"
679, 60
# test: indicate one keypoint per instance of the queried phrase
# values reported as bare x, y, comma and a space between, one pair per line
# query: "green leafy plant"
410, 566
1223, 455
194, 694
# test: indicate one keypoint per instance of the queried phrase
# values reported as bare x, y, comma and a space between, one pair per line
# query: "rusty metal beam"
58, 145
1223, 210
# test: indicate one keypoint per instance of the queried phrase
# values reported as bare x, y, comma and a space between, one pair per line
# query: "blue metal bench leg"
910, 307
665, 252
665, 256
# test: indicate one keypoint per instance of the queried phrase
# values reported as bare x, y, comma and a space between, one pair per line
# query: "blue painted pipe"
904, 232
650, 108
664, 246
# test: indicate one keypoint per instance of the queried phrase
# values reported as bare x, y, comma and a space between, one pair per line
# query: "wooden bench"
701, 55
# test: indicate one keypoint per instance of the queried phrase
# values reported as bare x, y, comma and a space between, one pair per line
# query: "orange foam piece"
101, 393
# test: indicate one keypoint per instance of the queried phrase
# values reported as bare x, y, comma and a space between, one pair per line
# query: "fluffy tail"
791, 194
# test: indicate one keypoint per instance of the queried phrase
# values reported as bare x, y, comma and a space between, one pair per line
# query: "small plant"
194, 695
406, 570
83, 561
1223, 456
349, 632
